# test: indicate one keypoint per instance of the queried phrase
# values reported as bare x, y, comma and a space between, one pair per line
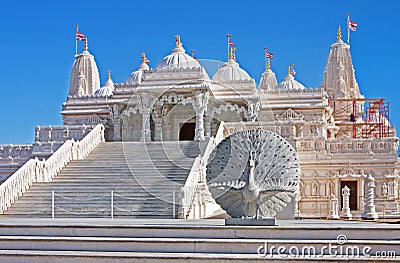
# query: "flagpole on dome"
76, 40
348, 28
265, 58
229, 43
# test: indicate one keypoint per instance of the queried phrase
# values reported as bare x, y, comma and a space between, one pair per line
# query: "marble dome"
107, 90
289, 83
178, 59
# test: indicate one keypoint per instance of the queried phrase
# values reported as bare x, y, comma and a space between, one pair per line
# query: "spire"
268, 63
339, 34
108, 74
339, 78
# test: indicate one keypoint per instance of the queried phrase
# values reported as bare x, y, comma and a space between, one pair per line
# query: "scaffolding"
368, 118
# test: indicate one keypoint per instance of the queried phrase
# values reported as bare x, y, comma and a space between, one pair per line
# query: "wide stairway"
119, 179
172, 240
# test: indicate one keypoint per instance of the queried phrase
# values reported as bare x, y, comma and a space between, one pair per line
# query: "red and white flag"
353, 25
230, 43
269, 55
80, 36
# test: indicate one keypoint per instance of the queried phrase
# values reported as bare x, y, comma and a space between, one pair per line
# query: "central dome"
178, 59
231, 71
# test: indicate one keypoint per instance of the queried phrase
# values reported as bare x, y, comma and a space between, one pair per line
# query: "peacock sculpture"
253, 174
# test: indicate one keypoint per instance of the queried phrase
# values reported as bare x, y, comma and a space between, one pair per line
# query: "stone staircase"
123, 179
171, 240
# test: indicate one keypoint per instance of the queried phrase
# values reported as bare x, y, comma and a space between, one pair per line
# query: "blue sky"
38, 45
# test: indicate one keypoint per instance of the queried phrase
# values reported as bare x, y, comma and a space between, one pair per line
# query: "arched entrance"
186, 132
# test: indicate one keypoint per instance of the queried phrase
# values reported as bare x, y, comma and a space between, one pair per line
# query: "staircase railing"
195, 182
44, 171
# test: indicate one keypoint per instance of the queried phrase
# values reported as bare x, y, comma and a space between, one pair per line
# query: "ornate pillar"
200, 105
369, 203
145, 110
333, 208
346, 203
116, 120
146, 132
157, 128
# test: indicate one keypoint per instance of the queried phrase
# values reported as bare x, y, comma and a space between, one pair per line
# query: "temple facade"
340, 136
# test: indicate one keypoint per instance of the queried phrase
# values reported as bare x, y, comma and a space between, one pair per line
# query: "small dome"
268, 80
107, 90
231, 71
135, 77
289, 83
178, 59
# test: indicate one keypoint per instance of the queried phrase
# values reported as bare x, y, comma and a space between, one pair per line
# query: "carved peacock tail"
276, 172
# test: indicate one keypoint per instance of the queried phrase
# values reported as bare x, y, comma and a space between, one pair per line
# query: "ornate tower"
339, 79
84, 80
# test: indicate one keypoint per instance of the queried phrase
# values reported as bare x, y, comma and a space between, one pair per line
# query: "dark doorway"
353, 193
187, 132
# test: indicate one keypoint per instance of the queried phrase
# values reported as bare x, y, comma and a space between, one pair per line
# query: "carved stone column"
145, 110
146, 132
333, 208
346, 203
116, 120
369, 203
157, 128
200, 105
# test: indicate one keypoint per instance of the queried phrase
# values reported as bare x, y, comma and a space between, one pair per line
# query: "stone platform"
164, 240
250, 222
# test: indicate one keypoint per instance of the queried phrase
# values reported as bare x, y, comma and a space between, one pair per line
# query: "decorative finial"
178, 40
268, 63
339, 33
288, 70
230, 54
86, 45
108, 74
144, 59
